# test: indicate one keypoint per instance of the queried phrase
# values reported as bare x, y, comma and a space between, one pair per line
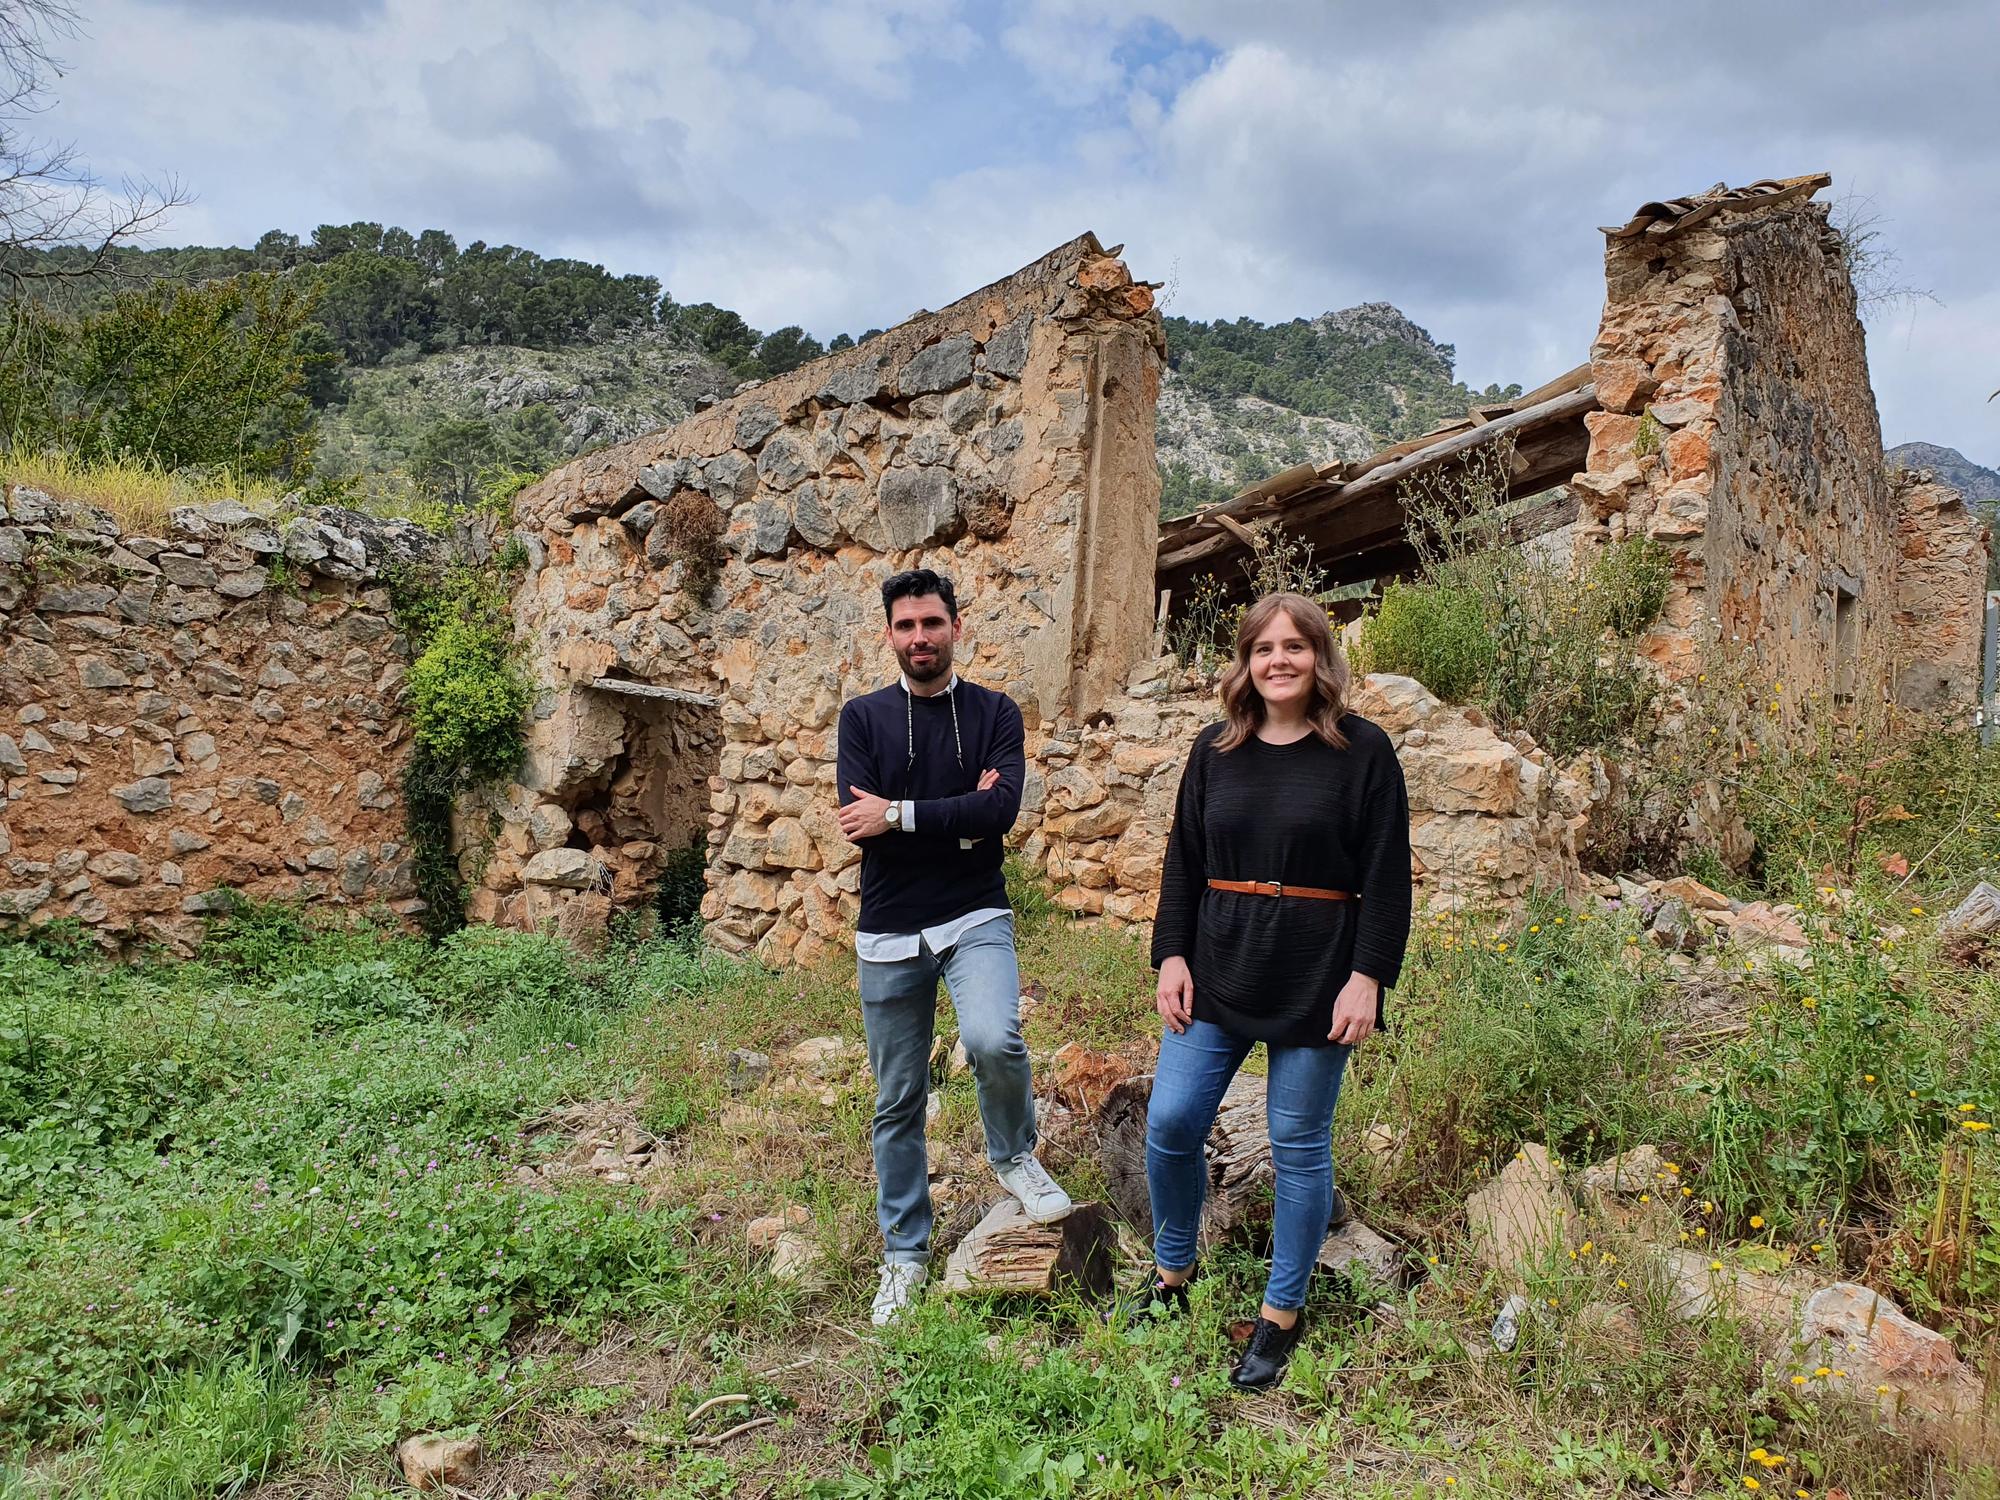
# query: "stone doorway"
615, 812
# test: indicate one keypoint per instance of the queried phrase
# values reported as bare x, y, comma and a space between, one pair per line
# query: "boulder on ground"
1875, 1353
1523, 1215
764, 1233
431, 1462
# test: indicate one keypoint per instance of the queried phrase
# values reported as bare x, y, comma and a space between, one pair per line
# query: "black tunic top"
1268, 968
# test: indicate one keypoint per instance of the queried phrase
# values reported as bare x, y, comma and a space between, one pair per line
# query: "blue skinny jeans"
1195, 1067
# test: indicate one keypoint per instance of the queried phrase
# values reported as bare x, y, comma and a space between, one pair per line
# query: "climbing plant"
467, 697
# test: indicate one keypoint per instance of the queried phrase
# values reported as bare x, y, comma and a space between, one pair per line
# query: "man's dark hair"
918, 583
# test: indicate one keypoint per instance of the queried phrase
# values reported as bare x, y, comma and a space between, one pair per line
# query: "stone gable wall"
1005, 440
215, 706
1739, 429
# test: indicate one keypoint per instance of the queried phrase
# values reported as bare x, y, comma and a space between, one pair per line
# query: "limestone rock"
567, 869
1874, 1344
1523, 1215
1695, 895
1356, 1250
827, 1058
431, 1462
1394, 704
1636, 1171
1007, 348
149, 794
941, 367
916, 504
745, 1070
796, 1257
763, 1234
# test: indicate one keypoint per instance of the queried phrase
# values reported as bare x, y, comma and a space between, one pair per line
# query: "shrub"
467, 699
1435, 633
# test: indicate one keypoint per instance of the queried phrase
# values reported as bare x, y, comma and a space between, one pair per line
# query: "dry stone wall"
214, 707
731, 568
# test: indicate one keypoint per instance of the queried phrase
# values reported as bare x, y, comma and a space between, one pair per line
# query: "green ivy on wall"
467, 697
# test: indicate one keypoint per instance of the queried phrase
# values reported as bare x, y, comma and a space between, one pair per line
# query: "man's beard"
938, 666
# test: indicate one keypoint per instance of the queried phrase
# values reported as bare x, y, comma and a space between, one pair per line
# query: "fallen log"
1009, 1252
1239, 1157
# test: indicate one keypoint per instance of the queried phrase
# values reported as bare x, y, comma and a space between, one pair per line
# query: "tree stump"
1009, 1252
1240, 1176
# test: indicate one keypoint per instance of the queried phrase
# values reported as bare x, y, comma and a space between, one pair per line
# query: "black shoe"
1263, 1363
1156, 1299
1341, 1214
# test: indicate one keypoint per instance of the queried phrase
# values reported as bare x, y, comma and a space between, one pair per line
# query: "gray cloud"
839, 163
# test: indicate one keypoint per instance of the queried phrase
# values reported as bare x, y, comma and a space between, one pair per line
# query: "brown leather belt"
1279, 888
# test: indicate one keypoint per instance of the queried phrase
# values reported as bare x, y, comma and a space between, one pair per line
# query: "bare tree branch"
49, 198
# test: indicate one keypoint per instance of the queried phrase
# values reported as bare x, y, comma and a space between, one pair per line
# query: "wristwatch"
893, 815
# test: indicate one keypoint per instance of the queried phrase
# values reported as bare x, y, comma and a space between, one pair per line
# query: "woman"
1283, 915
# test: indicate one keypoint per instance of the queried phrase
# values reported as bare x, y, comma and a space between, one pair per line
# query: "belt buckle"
1278, 889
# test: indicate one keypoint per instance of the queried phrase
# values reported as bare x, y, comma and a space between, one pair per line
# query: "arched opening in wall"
650, 803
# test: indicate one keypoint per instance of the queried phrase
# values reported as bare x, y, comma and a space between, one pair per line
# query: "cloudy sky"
841, 163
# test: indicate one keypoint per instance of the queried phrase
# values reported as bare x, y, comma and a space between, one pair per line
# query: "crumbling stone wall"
212, 707
1491, 819
1006, 440
1942, 547
1739, 429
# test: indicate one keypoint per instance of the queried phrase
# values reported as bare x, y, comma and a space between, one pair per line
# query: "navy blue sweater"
900, 746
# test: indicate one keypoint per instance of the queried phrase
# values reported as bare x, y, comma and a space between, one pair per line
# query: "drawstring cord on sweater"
910, 725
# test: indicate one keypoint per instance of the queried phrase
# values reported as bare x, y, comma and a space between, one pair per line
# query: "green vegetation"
467, 698
1390, 386
263, 1213
1538, 646
176, 377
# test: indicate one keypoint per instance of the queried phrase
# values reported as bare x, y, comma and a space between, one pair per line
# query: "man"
930, 778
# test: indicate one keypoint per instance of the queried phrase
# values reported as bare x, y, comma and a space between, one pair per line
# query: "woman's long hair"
1244, 705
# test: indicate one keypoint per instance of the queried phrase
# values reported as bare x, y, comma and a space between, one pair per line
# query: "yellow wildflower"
1756, 1221
1750, 1484
1821, 1373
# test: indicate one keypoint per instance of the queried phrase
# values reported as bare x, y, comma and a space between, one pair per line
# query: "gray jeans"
899, 1011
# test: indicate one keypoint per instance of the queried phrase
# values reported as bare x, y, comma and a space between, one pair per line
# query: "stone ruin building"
699, 602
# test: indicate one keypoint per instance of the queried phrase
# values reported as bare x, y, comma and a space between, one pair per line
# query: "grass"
265, 1212
138, 493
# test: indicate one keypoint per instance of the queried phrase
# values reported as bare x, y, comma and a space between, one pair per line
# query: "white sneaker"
900, 1280
1030, 1183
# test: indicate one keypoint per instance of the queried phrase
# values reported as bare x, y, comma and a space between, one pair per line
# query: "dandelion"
1968, 1108
1587, 1246
1809, 1003
1916, 911
1715, 1265
1867, 1077
1817, 1247
1701, 1231
1798, 1380
1687, 1192
1821, 1373
1751, 1484
1707, 1205
1756, 1221
1645, 1197
1674, 1167
1623, 1284
1974, 1125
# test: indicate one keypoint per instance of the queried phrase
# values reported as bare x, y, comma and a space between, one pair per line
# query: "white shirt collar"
949, 687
